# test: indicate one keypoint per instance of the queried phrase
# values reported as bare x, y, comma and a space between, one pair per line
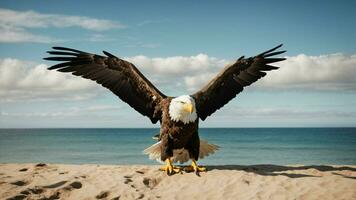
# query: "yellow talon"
195, 168
169, 168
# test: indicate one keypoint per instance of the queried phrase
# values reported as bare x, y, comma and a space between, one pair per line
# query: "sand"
52, 181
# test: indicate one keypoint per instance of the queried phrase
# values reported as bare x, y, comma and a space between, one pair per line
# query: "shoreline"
94, 181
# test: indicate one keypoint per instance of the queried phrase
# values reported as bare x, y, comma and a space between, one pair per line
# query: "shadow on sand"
277, 170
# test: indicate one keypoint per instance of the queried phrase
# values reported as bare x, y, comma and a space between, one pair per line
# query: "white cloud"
177, 65
323, 73
195, 82
15, 25
281, 116
326, 73
31, 19
96, 108
21, 80
65, 112
283, 112
11, 34
54, 114
170, 73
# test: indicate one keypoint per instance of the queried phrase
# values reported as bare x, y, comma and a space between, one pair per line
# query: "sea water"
238, 146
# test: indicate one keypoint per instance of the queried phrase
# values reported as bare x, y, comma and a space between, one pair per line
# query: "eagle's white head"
182, 109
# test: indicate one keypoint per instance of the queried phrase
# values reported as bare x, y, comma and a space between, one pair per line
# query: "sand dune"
52, 181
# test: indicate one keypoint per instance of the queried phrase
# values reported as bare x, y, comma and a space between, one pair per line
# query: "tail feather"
181, 155
206, 149
154, 151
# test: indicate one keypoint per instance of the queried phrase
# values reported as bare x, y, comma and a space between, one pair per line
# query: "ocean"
238, 146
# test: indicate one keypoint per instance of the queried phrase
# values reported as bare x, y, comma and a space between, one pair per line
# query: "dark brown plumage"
125, 80
119, 76
231, 81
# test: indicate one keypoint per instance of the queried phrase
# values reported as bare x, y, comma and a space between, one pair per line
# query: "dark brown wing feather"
231, 81
119, 76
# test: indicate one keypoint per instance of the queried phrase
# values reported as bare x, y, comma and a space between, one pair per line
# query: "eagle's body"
178, 116
177, 134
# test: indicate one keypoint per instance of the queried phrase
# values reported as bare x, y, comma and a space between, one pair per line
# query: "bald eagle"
178, 116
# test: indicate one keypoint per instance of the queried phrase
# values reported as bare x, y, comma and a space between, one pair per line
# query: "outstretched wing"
119, 76
232, 80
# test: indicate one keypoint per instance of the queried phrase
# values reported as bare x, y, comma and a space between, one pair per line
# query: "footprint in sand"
36, 190
17, 197
53, 196
55, 185
24, 194
128, 181
150, 183
57, 194
41, 165
74, 185
23, 170
102, 195
19, 183
146, 181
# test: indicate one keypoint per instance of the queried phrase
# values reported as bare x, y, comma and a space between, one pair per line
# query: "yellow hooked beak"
188, 107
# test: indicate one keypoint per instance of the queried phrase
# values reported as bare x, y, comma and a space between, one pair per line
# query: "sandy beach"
52, 181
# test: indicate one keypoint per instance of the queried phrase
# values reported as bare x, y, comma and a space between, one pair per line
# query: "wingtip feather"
109, 54
270, 50
274, 53
67, 49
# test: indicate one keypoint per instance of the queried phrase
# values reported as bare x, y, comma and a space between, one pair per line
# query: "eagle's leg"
169, 168
195, 168
193, 148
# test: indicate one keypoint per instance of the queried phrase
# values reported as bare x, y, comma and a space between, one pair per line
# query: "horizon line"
159, 127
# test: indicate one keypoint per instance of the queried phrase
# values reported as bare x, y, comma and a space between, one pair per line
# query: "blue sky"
179, 46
